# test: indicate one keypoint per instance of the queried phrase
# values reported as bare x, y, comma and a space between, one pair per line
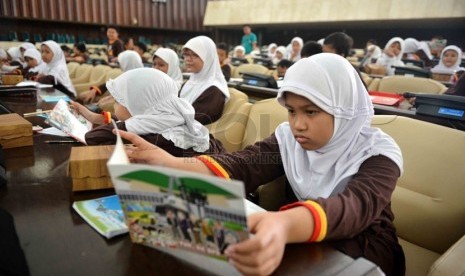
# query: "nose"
299, 123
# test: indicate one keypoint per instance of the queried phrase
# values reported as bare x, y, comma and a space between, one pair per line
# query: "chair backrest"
72, 66
428, 202
98, 73
250, 68
113, 73
229, 129
401, 84
82, 74
264, 117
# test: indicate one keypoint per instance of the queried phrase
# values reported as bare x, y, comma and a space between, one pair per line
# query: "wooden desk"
57, 241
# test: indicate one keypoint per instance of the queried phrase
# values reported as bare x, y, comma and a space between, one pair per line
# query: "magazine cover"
103, 214
182, 213
63, 118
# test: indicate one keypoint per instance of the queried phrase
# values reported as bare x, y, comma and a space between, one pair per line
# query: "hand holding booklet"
188, 215
66, 120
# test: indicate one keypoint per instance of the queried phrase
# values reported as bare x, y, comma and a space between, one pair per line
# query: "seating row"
427, 202
84, 76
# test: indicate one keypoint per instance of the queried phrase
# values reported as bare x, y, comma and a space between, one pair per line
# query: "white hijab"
289, 54
35, 54
388, 61
270, 49
373, 52
442, 68
151, 97
331, 82
57, 66
15, 54
171, 58
210, 75
25, 46
411, 45
239, 48
129, 60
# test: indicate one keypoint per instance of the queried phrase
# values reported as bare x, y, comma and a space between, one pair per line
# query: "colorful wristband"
214, 166
99, 92
319, 218
106, 117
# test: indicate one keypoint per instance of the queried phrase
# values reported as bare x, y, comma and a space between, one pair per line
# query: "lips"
301, 139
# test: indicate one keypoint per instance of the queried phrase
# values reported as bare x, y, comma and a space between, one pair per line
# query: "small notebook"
103, 214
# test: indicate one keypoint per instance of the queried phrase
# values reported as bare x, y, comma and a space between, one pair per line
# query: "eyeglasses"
190, 55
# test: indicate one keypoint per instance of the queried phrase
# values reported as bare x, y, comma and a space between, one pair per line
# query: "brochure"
63, 118
189, 215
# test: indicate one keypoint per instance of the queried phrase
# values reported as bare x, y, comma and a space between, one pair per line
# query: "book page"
189, 215
72, 124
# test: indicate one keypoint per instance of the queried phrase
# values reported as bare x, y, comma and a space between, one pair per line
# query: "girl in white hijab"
272, 49
239, 52
14, 56
392, 55
206, 89
280, 54
147, 104
294, 49
451, 57
372, 55
167, 61
127, 60
340, 170
34, 61
22, 48
412, 46
56, 71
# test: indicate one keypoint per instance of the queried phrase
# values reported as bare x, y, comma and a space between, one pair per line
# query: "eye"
311, 112
290, 111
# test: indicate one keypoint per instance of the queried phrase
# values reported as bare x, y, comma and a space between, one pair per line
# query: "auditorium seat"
72, 67
401, 84
96, 78
229, 129
250, 68
82, 74
428, 202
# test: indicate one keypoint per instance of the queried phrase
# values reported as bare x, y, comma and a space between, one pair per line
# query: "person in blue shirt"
249, 39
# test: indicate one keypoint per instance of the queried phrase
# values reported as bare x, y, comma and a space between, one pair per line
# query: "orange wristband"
319, 218
106, 117
99, 92
214, 166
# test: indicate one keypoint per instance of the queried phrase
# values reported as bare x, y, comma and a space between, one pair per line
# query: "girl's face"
47, 54
194, 63
296, 47
395, 48
450, 58
279, 55
31, 62
240, 53
121, 112
311, 126
160, 64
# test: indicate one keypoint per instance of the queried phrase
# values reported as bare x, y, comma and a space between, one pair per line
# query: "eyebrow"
305, 106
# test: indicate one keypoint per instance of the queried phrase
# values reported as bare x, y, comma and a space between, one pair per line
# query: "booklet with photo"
103, 214
66, 120
191, 216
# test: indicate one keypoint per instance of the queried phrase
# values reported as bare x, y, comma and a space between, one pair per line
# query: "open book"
189, 215
66, 120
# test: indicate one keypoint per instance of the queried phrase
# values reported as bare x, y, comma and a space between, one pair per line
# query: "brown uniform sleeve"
226, 69
48, 79
256, 165
209, 106
364, 202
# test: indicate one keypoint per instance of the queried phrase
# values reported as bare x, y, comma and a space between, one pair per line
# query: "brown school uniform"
49, 79
226, 69
103, 135
209, 106
357, 225
115, 49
